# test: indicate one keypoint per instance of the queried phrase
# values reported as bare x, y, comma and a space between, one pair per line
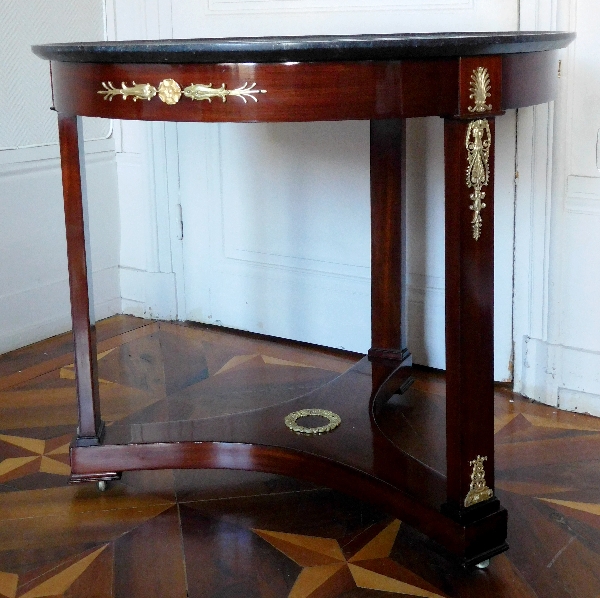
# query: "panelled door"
276, 216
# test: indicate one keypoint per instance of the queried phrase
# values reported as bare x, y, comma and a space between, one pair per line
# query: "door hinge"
180, 222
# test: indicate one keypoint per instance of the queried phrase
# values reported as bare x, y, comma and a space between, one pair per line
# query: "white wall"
34, 291
557, 314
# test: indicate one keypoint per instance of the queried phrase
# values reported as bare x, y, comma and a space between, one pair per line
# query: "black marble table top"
307, 48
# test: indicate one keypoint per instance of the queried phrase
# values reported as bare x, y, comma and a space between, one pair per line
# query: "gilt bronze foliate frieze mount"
170, 92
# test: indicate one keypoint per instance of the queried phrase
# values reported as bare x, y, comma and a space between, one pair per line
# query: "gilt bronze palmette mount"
480, 90
170, 92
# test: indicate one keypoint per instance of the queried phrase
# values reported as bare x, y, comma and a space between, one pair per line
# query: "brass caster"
484, 564
102, 486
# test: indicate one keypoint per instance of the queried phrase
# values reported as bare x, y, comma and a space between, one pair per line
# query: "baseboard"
564, 377
426, 324
42, 312
148, 294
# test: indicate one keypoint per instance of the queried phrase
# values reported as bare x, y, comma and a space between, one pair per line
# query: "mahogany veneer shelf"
465, 78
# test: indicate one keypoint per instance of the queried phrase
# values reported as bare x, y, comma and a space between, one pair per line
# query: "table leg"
469, 168
90, 428
388, 251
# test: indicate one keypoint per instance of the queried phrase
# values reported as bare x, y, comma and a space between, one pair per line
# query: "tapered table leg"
469, 176
388, 249
90, 428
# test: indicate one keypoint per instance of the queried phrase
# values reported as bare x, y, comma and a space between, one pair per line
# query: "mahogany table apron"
468, 79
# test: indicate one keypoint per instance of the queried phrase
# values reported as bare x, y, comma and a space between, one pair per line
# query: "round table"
466, 78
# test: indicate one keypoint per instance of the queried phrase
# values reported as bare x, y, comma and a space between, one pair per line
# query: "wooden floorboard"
228, 534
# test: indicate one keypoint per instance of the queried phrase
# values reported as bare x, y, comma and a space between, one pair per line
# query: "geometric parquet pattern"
226, 534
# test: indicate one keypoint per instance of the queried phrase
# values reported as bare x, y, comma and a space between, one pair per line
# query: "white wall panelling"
26, 118
583, 195
38, 153
270, 6
532, 218
557, 321
580, 321
535, 126
285, 211
150, 254
532, 213
584, 90
425, 213
221, 18
34, 296
425, 186
148, 192
276, 216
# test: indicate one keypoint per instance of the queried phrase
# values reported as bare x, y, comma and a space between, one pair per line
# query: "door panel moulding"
288, 6
583, 195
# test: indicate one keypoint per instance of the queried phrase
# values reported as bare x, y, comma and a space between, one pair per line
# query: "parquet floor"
209, 534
